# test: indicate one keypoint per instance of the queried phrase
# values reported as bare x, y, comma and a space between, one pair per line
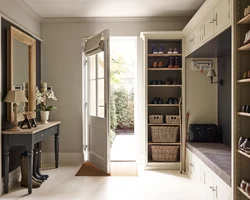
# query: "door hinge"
86, 104
86, 147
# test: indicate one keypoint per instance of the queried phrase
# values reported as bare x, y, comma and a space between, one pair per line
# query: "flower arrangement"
41, 100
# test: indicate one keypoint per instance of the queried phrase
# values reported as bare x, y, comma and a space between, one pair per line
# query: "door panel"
208, 27
97, 53
222, 15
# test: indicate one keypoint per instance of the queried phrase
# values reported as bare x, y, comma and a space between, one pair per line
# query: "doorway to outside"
123, 60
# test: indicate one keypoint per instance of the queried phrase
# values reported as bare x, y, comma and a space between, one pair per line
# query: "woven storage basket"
155, 119
165, 153
164, 134
173, 119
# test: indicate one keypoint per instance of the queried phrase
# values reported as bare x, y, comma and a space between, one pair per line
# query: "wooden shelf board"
245, 20
164, 124
164, 69
243, 192
163, 143
247, 80
164, 85
164, 55
243, 153
163, 105
245, 47
244, 114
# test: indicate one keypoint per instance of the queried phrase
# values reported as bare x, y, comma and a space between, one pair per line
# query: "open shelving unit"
168, 40
241, 160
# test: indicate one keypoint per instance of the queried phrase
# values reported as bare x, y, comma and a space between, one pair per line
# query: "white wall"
21, 15
201, 95
62, 68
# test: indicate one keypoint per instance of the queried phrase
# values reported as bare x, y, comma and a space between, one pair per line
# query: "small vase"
44, 117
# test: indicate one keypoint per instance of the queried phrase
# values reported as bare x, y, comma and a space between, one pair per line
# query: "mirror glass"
21, 70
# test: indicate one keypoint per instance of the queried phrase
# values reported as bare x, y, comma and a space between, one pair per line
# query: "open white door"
98, 143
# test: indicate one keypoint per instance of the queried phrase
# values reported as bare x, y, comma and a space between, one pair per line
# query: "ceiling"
114, 8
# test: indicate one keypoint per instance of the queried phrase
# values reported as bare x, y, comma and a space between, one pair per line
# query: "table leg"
6, 152
56, 149
30, 170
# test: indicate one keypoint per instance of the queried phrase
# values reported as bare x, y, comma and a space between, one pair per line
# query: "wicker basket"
164, 134
155, 119
173, 119
165, 153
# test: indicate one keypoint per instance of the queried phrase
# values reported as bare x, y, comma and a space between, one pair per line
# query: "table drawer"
48, 132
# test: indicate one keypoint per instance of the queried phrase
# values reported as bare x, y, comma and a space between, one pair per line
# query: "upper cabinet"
212, 18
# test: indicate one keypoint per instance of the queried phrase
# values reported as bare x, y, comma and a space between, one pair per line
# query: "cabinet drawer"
46, 133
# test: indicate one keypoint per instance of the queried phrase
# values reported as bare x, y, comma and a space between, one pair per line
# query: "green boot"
24, 172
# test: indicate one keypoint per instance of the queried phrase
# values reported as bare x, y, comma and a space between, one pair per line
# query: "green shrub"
112, 137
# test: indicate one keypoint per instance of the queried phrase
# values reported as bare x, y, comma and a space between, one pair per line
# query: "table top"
40, 127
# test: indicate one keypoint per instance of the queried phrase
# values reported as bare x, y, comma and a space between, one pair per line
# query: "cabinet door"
221, 15
222, 191
208, 27
208, 183
197, 36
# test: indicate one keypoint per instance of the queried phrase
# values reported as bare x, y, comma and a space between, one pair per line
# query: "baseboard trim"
64, 158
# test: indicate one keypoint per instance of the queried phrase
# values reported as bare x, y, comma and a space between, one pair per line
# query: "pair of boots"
37, 178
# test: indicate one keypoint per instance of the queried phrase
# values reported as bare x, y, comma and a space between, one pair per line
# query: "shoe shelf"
247, 80
162, 143
164, 124
163, 105
164, 85
243, 192
244, 114
164, 55
243, 153
245, 20
245, 47
164, 69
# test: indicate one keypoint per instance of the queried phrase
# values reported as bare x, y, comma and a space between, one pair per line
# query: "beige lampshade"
211, 73
16, 96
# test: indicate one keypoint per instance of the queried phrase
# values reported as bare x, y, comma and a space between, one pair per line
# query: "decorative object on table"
211, 73
31, 122
15, 97
43, 108
26, 121
44, 87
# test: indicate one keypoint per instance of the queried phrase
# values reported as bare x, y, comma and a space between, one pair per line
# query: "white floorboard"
149, 185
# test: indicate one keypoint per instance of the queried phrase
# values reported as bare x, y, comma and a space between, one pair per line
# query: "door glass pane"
101, 96
100, 66
92, 65
93, 97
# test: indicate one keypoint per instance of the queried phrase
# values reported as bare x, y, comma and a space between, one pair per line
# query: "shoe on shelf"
247, 109
240, 142
175, 81
247, 190
171, 62
243, 185
160, 101
170, 51
161, 49
160, 65
153, 82
168, 81
175, 51
244, 108
155, 101
246, 146
170, 101
176, 64
175, 101
155, 65
160, 82
154, 50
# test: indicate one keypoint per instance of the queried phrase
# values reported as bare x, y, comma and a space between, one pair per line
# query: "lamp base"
15, 128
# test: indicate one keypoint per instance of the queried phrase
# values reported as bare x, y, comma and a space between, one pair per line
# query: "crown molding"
28, 9
114, 19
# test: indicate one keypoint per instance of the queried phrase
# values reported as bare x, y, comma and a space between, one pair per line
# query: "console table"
28, 138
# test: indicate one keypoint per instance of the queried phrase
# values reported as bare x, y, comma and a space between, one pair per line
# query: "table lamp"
15, 97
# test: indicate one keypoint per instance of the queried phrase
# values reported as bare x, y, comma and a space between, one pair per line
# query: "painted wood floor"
149, 185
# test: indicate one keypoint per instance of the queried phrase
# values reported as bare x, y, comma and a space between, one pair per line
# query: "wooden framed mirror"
22, 71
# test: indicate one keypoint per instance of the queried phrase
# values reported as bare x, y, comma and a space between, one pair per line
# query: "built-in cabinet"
213, 187
164, 78
210, 24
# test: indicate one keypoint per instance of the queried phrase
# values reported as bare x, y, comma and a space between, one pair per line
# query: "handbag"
203, 133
